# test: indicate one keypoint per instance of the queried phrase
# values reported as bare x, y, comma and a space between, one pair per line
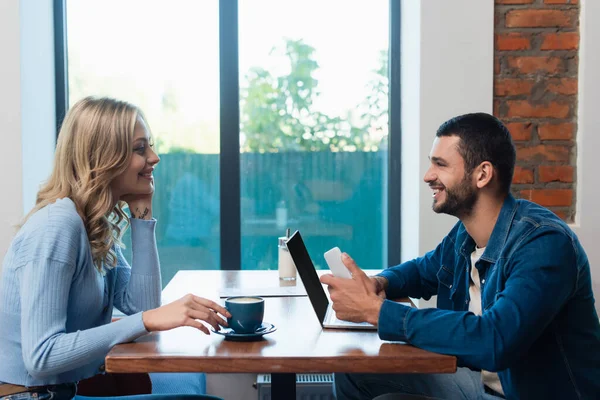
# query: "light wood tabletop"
299, 345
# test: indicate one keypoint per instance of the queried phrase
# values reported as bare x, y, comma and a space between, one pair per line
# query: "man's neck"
480, 223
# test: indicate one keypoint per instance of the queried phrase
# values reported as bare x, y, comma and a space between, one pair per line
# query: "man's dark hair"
483, 137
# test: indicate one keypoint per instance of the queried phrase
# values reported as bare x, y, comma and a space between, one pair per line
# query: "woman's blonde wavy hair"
94, 147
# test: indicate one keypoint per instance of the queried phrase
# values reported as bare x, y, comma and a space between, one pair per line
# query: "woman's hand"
186, 312
140, 205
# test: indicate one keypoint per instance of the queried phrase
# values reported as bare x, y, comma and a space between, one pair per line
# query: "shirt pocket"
447, 288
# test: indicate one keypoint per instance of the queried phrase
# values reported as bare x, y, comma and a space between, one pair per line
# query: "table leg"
283, 386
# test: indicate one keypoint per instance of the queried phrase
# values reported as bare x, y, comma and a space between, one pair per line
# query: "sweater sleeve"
47, 348
138, 288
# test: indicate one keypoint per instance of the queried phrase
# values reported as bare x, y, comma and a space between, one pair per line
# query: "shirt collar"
499, 234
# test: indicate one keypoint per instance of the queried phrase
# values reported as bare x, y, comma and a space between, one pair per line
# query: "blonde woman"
64, 271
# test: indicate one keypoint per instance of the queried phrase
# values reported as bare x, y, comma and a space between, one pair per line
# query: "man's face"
454, 192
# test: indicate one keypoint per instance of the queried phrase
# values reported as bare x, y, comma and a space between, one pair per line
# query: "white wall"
11, 200
38, 115
588, 139
27, 115
447, 70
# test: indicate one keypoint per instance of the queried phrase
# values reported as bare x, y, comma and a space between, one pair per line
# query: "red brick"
537, 18
497, 108
523, 175
572, 65
555, 173
512, 87
529, 65
512, 41
536, 44
549, 197
543, 152
524, 109
514, 1
520, 131
566, 86
560, 41
562, 131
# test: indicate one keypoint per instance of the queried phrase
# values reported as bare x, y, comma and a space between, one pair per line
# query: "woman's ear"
484, 174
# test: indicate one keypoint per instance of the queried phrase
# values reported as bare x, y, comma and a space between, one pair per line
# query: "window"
314, 128
267, 115
148, 58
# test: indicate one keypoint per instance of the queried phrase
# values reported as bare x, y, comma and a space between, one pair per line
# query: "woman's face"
137, 178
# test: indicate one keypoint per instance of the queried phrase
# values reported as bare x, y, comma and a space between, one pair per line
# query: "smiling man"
515, 301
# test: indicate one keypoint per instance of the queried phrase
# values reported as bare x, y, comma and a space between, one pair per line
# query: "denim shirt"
539, 329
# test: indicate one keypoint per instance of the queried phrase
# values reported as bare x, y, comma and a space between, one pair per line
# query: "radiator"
308, 387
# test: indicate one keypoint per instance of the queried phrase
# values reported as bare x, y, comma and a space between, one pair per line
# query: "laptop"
314, 287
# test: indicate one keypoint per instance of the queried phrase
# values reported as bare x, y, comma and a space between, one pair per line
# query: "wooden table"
299, 345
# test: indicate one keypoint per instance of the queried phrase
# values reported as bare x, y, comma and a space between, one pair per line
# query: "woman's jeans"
67, 392
64, 391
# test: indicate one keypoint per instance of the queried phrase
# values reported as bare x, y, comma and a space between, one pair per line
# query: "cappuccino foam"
245, 300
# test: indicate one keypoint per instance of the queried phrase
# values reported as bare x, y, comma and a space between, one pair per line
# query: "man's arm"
360, 299
416, 278
541, 277
381, 284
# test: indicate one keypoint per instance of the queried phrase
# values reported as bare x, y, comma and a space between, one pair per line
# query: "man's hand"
354, 299
380, 284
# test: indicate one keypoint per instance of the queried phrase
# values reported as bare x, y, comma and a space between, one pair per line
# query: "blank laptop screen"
309, 275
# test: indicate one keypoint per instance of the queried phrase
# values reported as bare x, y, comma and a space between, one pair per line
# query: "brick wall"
535, 94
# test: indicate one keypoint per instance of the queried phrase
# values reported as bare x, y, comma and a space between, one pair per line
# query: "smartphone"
333, 258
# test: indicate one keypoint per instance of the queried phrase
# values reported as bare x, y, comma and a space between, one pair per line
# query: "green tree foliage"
277, 113
374, 115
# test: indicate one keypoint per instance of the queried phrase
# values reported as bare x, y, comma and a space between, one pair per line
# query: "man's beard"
459, 200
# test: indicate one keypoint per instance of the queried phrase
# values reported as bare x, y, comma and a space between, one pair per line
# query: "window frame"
229, 180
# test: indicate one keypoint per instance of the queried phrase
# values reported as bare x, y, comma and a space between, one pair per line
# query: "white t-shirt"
490, 379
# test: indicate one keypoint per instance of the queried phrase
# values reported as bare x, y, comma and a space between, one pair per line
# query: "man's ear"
484, 173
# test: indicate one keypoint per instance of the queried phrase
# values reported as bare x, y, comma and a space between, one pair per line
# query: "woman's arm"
45, 286
139, 288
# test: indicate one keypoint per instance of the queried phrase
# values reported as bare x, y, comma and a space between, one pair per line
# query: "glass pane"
163, 57
314, 114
